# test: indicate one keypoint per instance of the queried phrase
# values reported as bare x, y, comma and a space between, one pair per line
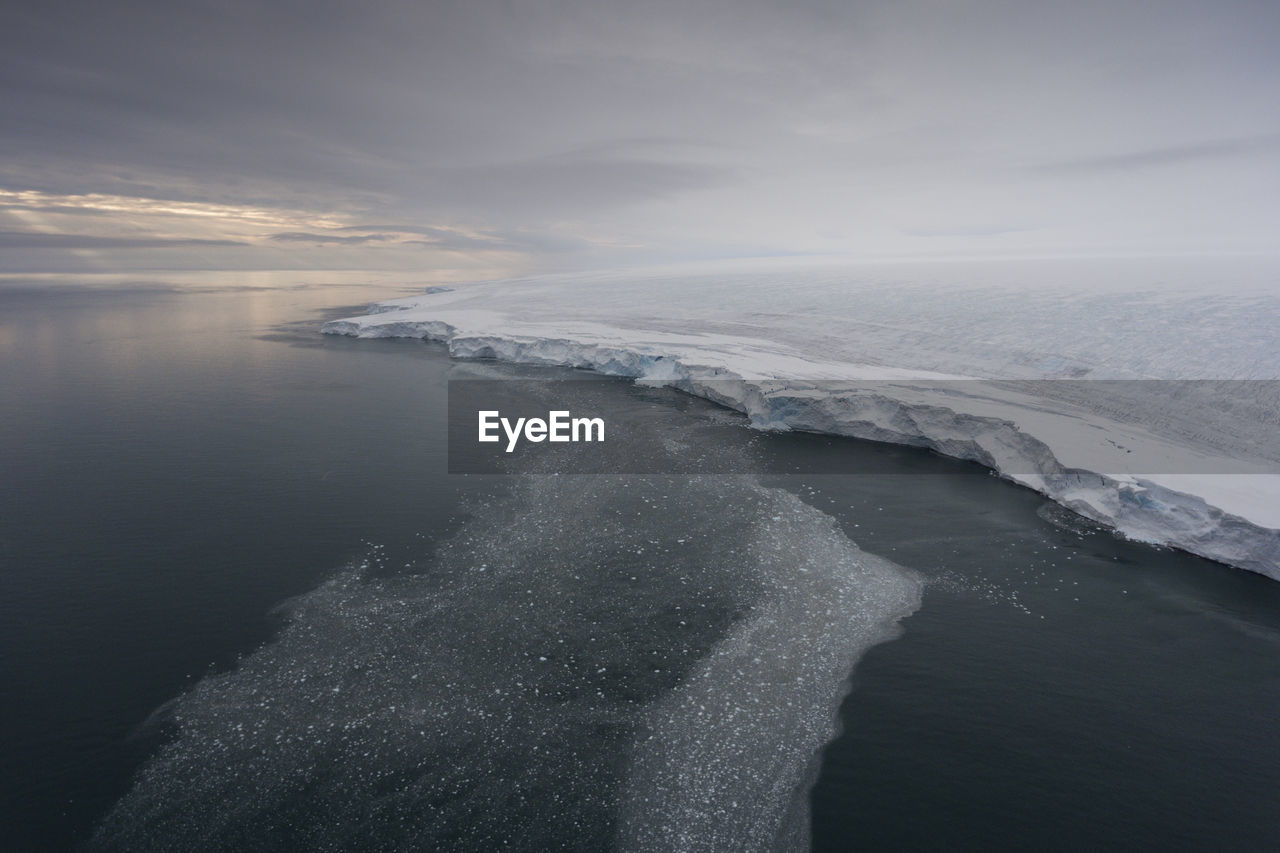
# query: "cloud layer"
553, 134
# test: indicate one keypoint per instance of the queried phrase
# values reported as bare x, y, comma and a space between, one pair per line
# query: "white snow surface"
876, 351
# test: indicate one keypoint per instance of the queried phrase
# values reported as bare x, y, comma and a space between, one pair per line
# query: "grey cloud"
433, 236
561, 127
572, 182
35, 240
1172, 155
59, 208
381, 104
446, 238
395, 229
967, 231
308, 237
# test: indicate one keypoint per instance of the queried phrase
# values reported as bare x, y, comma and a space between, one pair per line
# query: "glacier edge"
1136, 507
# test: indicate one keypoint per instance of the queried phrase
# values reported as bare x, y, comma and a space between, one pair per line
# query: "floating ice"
536, 686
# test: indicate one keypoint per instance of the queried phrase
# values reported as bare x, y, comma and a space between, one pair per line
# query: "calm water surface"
204, 498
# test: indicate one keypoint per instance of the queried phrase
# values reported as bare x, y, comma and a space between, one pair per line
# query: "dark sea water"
243, 606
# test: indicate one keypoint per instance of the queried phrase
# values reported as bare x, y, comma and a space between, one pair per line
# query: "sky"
496, 138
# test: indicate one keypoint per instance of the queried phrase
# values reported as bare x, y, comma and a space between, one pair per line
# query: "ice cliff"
998, 364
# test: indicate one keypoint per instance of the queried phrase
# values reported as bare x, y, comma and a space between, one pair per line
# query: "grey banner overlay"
1045, 427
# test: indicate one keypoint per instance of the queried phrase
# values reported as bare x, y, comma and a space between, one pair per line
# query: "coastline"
1220, 510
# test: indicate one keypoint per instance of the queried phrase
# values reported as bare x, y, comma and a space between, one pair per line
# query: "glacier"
995, 362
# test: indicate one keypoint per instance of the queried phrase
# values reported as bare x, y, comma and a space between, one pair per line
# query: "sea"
244, 605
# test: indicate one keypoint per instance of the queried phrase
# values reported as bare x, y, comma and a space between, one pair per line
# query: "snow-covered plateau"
1141, 394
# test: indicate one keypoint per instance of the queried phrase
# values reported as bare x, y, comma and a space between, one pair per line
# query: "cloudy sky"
520, 136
